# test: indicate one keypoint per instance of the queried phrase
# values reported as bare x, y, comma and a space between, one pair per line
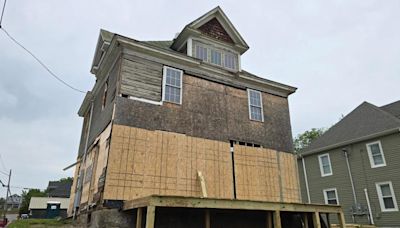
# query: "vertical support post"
150, 216
328, 221
342, 222
316, 220
207, 219
277, 219
269, 219
139, 216
305, 219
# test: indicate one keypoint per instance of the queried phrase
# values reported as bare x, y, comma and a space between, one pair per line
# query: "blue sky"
338, 54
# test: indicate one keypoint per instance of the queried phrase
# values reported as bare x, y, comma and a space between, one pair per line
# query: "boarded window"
255, 105
172, 85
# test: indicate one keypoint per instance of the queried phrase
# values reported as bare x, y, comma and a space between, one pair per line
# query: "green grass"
22, 223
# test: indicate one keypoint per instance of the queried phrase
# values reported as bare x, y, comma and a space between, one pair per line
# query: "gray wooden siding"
141, 78
363, 176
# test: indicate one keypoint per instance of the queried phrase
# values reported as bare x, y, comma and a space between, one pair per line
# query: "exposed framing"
164, 84
371, 159
321, 166
249, 104
325, 191
380, 196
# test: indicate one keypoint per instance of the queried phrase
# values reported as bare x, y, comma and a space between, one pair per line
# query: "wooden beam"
207, 219
139, 216
150, 216
316, 220
269, 219
277, 219
342, 221
202, 184
193, 202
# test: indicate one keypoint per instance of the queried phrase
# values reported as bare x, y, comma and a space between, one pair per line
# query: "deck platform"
311, 214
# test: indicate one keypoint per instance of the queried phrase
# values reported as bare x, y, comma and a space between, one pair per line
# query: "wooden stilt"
342, 222
277, 219
269, 219
305, 219
316, 220
139, 216
207, 219
150, 216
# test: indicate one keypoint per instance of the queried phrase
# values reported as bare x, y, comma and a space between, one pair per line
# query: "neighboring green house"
356, 164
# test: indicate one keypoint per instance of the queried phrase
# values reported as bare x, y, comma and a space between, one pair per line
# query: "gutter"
344, 143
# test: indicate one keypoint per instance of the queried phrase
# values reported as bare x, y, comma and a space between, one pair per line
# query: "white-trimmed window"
230, 61
330, 196
387, 199
375, 154
325, 165
255, 105
216, 57
201, 53
172, 85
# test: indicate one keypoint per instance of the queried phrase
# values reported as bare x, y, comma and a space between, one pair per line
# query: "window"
375, 154
201, 53
216, 57
229, 60
103, 103
330, 196
172, 84
325, 165
255, 105
387, 199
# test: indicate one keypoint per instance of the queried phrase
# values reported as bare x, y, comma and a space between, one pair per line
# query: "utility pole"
8, 190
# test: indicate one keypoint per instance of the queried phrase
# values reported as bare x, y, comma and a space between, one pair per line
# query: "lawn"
22, 223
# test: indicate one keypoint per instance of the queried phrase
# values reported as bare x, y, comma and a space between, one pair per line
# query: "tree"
26, 198
303, 140
66, 180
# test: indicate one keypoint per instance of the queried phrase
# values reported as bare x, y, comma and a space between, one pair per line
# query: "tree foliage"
26, 198
66, 179
303, 140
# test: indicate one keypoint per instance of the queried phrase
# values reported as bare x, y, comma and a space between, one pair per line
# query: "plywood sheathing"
144, 162
260, 177
73, 188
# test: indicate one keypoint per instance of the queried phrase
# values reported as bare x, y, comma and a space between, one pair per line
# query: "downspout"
306, 179
369, 207
80, 179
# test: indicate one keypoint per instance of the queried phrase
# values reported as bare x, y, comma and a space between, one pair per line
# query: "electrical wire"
41, 63
2, 12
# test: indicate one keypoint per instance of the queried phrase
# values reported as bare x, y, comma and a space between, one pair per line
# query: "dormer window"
216, 55
230, 61
201, 53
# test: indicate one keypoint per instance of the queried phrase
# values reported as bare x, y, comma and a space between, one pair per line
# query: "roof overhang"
85, 104
348, 142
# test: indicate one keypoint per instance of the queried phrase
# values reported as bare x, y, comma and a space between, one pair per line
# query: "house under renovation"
177, 134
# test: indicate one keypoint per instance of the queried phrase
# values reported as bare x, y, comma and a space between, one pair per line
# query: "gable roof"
393, 108
364, 122
216, 13
59, 189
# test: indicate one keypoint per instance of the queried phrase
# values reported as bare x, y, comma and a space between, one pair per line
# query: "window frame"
325, 192
371, 158
250, 105
164, 84
201, 46
380, 196
321, 165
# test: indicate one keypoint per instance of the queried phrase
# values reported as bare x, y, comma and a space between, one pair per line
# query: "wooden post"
269, 219
207, 219
305, 219
316, 220
150, 216
139, 215
277, 219
342, 222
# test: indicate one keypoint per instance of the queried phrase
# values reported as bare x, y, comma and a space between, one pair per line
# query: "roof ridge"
386, 113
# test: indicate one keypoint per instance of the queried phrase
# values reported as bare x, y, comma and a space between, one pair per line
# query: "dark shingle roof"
393, 108
164, 44
59, 189
365, 120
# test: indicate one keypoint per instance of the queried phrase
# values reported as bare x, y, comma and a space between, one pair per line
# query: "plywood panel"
143, 162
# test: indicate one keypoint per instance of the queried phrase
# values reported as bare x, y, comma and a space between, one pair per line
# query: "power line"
2, 12
41, 63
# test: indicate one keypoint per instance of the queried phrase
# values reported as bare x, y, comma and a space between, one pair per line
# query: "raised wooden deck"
272, 209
